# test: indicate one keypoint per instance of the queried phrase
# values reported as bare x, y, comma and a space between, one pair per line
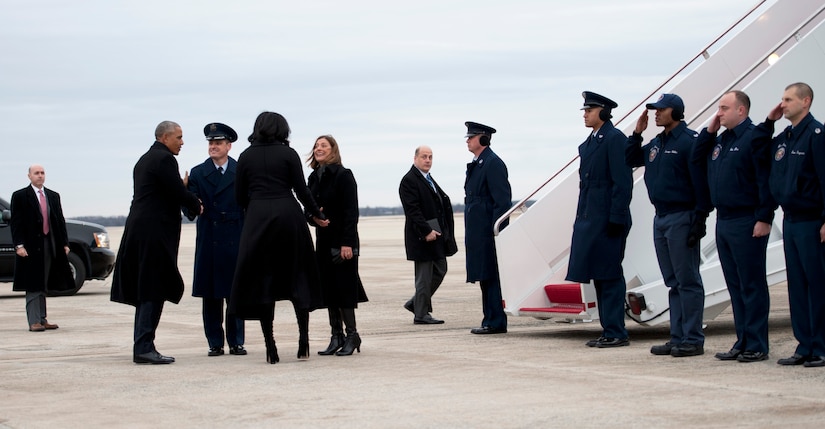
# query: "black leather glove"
698, 229
615, 229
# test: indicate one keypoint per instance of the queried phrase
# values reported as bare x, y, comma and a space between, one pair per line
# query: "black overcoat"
219, 229
27, 229
421, 203
146, 268
336, 192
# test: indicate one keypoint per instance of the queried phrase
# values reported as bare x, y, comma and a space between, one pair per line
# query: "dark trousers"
805, 262
428, 277
36, 301
680, 271
610, 295
492, 304
147, 317
213, 317
743, 263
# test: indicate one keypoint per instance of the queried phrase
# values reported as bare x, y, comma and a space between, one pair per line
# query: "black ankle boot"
352, 343
335, 343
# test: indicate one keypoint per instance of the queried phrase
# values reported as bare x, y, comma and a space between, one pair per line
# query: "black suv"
89, 255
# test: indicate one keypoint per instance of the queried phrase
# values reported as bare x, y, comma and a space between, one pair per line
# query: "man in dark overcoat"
146, 270
487, 196
602, 218
41, 244
429, 233
216, 246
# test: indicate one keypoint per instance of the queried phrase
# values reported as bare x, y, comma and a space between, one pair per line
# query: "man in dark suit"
146, 270
602, 218
216, 246
428, 233
41, 244
487, 196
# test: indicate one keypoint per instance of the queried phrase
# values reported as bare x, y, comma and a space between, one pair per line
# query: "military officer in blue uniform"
487, 197
797, 182
677, 187
602, 218
216, 246
737, 166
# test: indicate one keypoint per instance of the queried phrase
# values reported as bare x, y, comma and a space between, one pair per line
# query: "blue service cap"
591, 99
668, 100
474, 129
219, 131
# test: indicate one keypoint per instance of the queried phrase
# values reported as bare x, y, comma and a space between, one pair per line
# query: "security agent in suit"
677, 187
737, 162
797, 182
602, 218
487, 196
429, 236
219, 231
41, 245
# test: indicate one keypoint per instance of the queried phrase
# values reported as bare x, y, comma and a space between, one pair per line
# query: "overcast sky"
84, 83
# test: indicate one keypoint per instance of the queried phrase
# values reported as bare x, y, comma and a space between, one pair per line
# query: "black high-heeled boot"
269, 338
303, 333
351, 344
336, 341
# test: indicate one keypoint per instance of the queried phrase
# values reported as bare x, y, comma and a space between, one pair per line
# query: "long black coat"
27, 229
605, 188
487, 196
421, 203
219, 229
146, 268
276, 260
337, 193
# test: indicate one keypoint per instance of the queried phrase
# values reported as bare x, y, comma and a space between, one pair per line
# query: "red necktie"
44, 211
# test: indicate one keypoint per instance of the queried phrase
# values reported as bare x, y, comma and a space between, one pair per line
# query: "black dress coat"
334, 189
421, 203
146, 268
27, 229
219, 229
605, 188
276, 260
487, 196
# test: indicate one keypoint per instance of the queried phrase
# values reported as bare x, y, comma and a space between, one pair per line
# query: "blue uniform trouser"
805, 262
743, 264
680, 271
213, 317
610, 296
492, 305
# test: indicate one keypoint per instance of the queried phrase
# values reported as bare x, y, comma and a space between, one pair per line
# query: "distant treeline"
364, 211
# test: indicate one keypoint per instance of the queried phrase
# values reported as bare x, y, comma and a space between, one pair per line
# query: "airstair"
774, 44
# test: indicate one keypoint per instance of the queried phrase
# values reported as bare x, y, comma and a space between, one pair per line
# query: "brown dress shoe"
37, 328
48, 325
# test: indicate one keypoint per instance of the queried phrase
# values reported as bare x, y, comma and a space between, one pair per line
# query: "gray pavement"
539, 374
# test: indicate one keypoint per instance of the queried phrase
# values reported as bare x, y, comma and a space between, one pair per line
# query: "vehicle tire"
78, 272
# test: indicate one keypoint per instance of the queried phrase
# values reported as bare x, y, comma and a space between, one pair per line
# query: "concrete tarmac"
539, 374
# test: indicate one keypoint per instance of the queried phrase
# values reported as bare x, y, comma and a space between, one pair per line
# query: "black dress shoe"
663, 349
796, 359
215, 351
237, 350
593, 343
484, 330
427, 320
612, 342
731, 354
409, 306
748, 356
153, 358
685, 350
814, 362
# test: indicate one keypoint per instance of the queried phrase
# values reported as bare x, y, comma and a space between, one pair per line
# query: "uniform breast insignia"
652, 155
716, 151
780, 153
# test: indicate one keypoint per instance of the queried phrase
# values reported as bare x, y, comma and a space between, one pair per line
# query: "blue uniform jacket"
738, 171
605, 188
797, 177
487, 196
675, 181
219, 229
